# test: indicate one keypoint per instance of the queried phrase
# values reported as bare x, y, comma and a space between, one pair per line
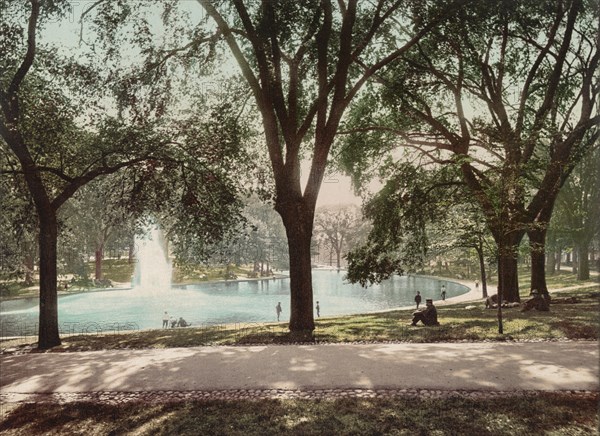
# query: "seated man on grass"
538, 302
428, 316
182, 323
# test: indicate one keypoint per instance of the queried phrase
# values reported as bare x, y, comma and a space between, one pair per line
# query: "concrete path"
446, 366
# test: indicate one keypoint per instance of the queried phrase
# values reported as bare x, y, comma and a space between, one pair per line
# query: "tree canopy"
506, 92
67, 121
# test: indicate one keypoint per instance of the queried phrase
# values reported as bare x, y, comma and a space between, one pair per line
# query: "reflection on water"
229, 302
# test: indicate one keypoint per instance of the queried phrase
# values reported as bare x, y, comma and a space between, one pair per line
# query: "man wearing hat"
538, 302
428, 316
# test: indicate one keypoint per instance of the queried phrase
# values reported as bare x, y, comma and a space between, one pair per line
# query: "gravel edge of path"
158, 397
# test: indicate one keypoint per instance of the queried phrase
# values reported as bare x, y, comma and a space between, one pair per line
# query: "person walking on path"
477, 284
278, 310
418, 299
165, 320
318, 310
443, 293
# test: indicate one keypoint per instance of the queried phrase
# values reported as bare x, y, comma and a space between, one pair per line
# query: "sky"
337, 190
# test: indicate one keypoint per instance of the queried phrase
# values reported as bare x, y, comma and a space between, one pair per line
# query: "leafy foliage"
506, 92
67, 121
401, 212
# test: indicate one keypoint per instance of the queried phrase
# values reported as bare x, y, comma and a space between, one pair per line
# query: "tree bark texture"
537, 238
298, 225
99, 255
48, 321
583, 270
29, 267
508, 277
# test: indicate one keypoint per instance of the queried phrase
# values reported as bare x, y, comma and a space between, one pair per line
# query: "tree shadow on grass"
577, 330
454, 415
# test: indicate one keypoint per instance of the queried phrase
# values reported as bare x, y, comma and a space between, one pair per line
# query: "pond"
251, 301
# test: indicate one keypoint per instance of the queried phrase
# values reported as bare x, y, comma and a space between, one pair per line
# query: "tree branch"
29, 55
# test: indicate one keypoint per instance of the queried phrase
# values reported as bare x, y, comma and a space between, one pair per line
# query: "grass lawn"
578, 320
12, 289
116, 270
545, 414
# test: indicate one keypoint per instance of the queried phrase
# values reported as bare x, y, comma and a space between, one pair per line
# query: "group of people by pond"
173, 322
538, 301
426, 315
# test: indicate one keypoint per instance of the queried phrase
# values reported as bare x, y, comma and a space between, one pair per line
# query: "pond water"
225, 302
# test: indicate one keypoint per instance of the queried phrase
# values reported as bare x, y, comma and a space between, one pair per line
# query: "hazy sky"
337, 190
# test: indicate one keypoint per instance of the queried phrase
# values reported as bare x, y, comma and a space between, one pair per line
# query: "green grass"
573, 321
558, 280
195, 274
545, 414
12, 289
116, 270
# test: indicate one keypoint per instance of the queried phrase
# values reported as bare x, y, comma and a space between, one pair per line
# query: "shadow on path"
470, 366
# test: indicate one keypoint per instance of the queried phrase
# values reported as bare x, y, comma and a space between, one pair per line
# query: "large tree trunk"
508, 277
298, 226
537, 239
29, 267
48, 326
99, 255
583, 270
508, 274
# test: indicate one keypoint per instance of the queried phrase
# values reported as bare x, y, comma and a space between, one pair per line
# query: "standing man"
166, 320
477, 284
278, 310
418, 299
318, 310
443, 293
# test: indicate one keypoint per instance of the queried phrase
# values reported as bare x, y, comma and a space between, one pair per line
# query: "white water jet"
153, 269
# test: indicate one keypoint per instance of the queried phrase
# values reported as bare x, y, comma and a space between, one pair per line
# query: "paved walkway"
336, 369
543, 366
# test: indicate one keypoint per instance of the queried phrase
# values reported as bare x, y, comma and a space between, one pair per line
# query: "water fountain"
243, 301
153, 269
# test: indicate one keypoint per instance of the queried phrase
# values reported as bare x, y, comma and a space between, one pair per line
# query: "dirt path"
544, 366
